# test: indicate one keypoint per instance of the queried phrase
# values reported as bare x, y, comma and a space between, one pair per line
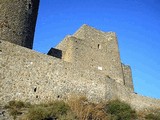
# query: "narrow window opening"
99, 46
35, 89
29, 5
36, 96
58, 96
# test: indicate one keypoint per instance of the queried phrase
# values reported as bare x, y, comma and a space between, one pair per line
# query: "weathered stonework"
99, 49
85, 64
75, 67
18, 20
127, 76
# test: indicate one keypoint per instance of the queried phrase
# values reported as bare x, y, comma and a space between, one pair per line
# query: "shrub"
15, 107
38, 113
55, 109
120, 110
59, 108
15, 104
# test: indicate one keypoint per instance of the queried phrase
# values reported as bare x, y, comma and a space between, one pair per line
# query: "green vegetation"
153, 116
17, 104
55, 109
15, 108
120, 111
77, 109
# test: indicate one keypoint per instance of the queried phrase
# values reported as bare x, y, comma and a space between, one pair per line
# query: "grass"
84, 110
54, 109
77, 108
17, 104
15, 108
38, 113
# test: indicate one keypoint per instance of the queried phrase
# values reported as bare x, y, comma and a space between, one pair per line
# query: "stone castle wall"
30, 76
34, 77
127, 76
18, 20
85, 64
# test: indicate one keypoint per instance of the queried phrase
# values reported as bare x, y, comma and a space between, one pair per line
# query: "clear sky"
136, 23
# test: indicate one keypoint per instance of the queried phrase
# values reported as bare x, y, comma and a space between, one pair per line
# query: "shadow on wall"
55, 53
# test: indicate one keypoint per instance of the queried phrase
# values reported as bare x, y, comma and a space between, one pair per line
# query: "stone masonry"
18, 20
74, 67
86, 63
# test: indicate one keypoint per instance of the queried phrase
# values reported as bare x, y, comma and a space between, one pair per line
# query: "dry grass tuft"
84, 110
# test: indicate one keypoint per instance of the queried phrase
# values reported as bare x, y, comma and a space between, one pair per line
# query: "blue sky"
136, 23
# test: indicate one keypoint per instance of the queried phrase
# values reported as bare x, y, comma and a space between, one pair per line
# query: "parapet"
18, 20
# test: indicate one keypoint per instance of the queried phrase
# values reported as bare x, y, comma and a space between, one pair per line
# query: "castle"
86, 63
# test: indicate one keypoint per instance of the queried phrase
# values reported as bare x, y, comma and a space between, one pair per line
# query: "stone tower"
93, 50
18, 20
